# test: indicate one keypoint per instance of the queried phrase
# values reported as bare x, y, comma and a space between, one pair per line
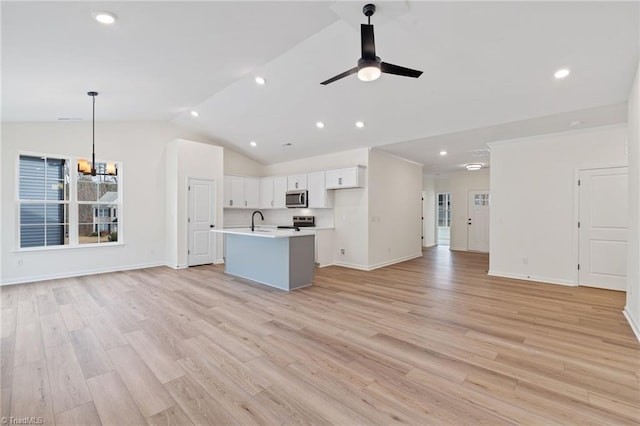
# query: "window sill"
67, 247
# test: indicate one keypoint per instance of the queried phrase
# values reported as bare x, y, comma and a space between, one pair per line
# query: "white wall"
395, 209
441, 184
140, 146
429, 210
334, 160
460, 183
632, 310
533, 193
187, 159
236, 164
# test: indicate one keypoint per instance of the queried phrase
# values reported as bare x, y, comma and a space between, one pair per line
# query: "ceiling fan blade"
368, 42
339, 76
398, 70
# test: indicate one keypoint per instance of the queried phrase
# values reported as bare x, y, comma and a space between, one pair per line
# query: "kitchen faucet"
252, 216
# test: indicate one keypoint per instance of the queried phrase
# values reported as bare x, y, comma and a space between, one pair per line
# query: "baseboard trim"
532, 278
377, 265
394, 261
176, 267
80, 273
634, 327
351, 265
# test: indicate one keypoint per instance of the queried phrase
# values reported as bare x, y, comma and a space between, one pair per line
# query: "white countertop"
302, 228
264, 232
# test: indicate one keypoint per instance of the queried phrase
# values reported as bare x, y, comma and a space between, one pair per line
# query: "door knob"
212, 226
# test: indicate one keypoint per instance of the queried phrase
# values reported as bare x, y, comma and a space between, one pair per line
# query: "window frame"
72, 205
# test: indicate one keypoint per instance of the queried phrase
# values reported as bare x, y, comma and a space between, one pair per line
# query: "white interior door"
478, 221
603, 228
201, 219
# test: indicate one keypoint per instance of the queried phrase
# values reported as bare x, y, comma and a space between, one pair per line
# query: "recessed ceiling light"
194, 113
260, 80
474, 166
105, 17
253, 144
319, 124
443, 152
575, 123
562, 73
359, 124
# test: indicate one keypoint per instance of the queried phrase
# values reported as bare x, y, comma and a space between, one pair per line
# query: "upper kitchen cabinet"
252, 192
296, 182
272, 192
241, 192
351, 177
266, 193
318, 197
279, 192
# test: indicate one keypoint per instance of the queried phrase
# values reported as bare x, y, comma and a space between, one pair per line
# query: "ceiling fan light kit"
370, 66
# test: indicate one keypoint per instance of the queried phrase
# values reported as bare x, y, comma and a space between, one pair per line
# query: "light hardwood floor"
429, 341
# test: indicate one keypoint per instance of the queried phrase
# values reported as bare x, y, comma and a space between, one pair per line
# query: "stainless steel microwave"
297, 199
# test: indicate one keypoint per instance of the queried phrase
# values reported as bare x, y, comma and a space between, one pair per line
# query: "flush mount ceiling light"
562, 73
575, 123
474, 166
320, 125
443, 153
106, 18
359, 124
260, 80
83, 165
194, 113
253, 144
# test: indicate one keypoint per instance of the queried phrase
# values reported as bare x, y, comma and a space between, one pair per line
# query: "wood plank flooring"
429, 341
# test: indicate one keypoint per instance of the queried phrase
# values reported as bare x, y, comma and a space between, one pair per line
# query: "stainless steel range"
300, 222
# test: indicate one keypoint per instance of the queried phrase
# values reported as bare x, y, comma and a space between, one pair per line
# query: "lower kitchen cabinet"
324, 247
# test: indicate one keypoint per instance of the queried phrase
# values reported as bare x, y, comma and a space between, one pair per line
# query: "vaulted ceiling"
488, 71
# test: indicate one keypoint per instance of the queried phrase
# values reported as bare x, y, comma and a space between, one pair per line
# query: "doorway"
603, 228
443, 217
478, 221
201, 218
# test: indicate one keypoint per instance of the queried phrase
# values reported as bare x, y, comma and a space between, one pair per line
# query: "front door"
201, 219
603, 228
478, 221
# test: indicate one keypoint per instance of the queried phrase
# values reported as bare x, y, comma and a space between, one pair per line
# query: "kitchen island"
279, 258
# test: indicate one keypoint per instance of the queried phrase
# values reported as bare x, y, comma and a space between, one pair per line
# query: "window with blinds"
44, 201
61, 207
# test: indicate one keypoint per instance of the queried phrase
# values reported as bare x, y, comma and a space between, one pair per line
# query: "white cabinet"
251, 192
279, 192
323, 247
296, 182
266, 193
241, 192
318, 197
351, 177
272, 192
233, 191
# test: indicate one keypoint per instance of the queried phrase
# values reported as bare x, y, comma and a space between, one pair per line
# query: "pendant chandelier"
83, 165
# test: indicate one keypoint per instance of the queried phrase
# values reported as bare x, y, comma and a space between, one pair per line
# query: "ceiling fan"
369, 65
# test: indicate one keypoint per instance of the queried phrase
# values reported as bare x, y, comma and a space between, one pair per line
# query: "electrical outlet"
525, 260
342, 251
19, 262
